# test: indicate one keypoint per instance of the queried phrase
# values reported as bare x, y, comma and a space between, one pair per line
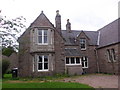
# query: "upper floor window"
83, 44
43, 36
42, 63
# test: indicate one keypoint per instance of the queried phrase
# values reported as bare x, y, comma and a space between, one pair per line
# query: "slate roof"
109, 34
42, 20
70, 37
72, 52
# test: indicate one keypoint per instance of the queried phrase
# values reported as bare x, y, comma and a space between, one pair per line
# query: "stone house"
46, 50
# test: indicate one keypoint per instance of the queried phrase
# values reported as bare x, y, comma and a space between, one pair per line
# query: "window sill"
73, 64
43, 70
42, 44
83, 49
84, 67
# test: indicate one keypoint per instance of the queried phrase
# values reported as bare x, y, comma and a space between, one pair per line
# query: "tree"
7, 51
5, 66
10, 30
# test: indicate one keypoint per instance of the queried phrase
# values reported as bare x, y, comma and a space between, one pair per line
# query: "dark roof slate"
109, 34
71, 36
72, 52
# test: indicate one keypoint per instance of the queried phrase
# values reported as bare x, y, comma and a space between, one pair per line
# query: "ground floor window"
77, 61
84, 62
73, 61
42, 63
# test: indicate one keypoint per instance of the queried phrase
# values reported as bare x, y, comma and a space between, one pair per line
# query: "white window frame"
84, 62
42, 37
42, 63
81, 43
74, 59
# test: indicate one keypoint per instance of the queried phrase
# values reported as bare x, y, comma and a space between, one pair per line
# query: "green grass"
7, 75
46, 85
40, 82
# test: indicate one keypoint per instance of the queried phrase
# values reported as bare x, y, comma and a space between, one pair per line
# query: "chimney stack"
58, 21
68, 26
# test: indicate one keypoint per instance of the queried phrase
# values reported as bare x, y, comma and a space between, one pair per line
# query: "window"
83, 44
42, 36
109, 55
42, 63
84, 62
113, 54
73, 61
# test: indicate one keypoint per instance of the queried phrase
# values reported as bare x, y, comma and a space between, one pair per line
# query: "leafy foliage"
8, 51
11, 29
5, 66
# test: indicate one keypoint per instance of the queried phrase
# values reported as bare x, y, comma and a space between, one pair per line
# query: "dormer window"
83, 44
42, 36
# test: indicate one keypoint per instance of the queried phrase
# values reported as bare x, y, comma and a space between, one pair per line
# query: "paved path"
96, 80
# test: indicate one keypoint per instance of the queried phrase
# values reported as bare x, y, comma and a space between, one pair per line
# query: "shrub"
5, 66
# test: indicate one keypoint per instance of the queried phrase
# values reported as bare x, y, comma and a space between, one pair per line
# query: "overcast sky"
83, 14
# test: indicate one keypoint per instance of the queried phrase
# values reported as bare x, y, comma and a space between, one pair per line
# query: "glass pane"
85, 58
113, 54
45, 58
45, 65
45, 32
82, 45
78, 60
40, 59
85, 64
82, 59
40, 32
67, 60
72, 60
39, 66
40, 39
45, 39
82, 64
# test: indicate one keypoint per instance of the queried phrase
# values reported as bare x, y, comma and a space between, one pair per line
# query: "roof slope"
42, 21
70, 37
72, 52
109, 34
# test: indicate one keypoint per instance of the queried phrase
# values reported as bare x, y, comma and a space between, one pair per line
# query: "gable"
42, 21
71, 37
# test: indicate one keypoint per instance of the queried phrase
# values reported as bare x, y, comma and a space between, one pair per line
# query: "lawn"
9, 82
45, 85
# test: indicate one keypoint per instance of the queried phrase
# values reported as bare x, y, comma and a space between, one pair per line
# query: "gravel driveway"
96, 80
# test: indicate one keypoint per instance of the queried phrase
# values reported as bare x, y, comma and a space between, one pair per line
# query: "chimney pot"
68, 26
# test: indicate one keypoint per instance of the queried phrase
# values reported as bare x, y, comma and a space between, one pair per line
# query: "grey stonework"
60, 44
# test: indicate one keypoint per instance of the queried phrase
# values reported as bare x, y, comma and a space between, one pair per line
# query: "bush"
5, 66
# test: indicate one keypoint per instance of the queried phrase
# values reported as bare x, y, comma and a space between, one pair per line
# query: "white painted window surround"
81, 61
73, 61
83, 43
42, 37
42, 63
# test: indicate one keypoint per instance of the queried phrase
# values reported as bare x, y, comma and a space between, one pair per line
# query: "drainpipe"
97, 59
